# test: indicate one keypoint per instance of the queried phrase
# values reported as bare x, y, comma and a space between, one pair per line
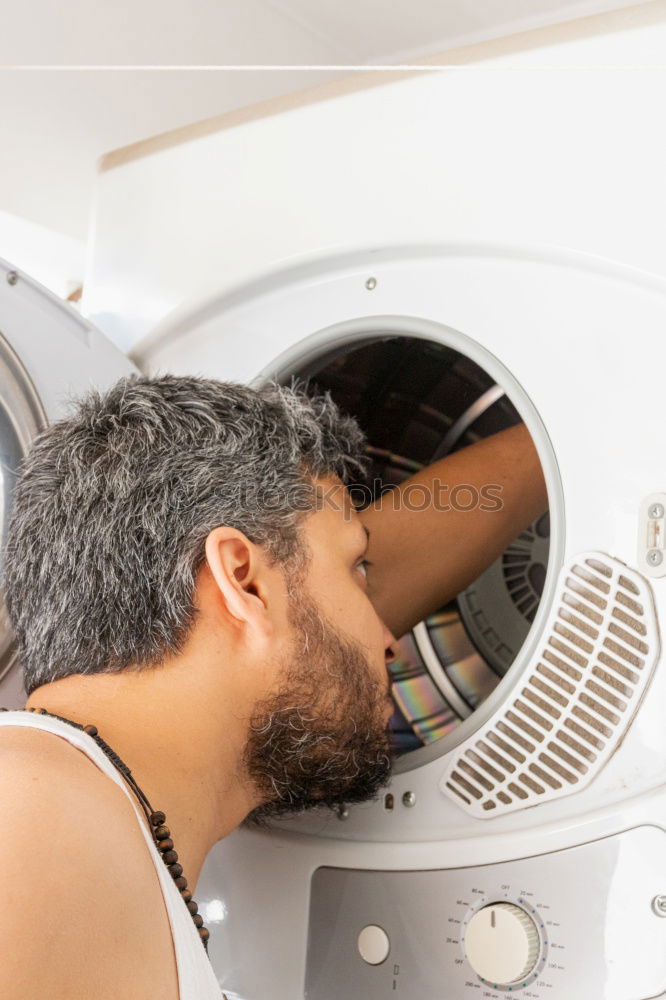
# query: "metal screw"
659, 905
343, 812
371, 283
12, 277
656, 510
655, 557
409, 799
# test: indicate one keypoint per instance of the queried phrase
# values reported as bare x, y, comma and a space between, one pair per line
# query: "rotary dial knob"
502, 943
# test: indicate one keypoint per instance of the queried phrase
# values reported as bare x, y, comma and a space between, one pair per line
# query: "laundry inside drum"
417, 401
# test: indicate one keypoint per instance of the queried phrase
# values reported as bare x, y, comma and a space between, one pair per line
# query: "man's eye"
362, 566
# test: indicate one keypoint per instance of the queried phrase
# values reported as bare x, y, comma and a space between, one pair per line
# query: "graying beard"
301, 757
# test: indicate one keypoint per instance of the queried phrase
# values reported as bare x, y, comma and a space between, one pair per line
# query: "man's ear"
235, 565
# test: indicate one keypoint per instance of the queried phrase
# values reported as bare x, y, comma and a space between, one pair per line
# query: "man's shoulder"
44, 777
82, 909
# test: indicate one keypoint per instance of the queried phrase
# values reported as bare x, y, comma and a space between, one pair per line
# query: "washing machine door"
48, 355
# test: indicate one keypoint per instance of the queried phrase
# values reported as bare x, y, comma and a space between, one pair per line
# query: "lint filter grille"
576, 699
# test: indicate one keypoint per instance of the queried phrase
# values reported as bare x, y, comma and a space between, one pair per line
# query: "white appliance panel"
590, 911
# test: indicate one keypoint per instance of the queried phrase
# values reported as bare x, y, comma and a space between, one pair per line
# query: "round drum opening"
417, 401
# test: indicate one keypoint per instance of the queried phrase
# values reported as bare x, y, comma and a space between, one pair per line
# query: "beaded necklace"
156, 820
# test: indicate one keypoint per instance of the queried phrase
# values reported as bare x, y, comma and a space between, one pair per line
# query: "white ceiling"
231, 32
56, 123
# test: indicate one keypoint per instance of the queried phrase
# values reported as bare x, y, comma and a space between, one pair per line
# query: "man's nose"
390, 646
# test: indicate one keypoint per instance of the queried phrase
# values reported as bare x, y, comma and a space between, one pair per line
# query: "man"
186, 571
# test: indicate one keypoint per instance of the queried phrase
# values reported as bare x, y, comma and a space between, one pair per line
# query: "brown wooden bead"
90, 730
192, 907
198, 920
165, 845
162, 832
186, 894
175, 870
204, 933
181, 882
157, 818
170, 857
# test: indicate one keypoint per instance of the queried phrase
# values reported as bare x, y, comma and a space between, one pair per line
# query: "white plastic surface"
602, 939
63, 356
62, 352
651, 542
576, 698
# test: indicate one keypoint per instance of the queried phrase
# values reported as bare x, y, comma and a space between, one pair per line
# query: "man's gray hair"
114, 503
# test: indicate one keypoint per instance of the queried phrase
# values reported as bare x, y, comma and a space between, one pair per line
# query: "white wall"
553, 138
110, 74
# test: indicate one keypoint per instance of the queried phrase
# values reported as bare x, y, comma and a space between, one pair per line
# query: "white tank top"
196, 979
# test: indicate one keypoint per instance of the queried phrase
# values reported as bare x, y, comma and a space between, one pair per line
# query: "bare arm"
422, 554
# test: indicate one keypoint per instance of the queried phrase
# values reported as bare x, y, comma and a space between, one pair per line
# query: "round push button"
373, 945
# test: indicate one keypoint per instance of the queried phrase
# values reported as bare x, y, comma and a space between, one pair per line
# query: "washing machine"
521, 844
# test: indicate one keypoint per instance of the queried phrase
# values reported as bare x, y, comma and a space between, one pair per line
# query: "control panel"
585, 923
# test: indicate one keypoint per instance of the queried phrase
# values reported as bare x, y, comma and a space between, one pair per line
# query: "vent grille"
576, 699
